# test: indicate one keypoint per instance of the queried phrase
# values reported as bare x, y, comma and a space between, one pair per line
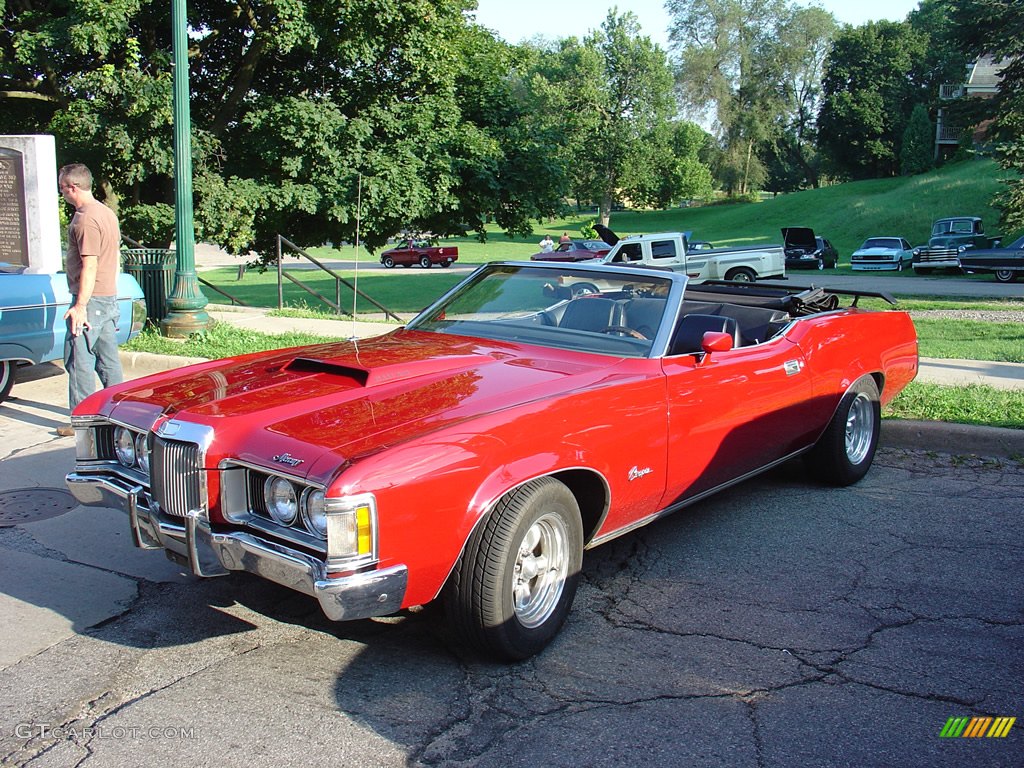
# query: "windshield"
604, 312
881, 242
953, 226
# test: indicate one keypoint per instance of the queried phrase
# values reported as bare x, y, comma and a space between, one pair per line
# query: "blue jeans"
94, 351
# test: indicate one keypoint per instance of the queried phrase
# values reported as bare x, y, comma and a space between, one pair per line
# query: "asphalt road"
778, 624
908, 284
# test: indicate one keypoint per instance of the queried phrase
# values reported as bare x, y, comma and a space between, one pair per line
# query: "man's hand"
77, 318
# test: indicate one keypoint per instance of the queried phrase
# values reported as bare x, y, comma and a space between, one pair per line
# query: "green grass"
220, 340
401, 294
974, 404
971, 340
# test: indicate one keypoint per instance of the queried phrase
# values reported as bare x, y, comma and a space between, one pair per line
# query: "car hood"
879, 250
944, 241
349, 399
799, 237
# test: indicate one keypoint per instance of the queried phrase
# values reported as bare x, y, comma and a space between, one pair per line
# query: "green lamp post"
186, 304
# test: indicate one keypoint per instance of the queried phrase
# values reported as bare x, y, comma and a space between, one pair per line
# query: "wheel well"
591, 494
879, 380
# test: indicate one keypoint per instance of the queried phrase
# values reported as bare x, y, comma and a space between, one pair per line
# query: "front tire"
843, 454
388, 262
425, 262
8, 374
513, 586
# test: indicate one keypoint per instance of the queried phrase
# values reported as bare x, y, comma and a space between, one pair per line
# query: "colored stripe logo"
977, 727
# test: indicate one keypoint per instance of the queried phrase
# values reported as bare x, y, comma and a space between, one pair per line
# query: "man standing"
93, 263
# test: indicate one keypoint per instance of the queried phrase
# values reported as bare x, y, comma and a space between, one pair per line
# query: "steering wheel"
625, 331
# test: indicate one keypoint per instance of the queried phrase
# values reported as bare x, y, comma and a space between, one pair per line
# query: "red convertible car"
413, 251
472, 456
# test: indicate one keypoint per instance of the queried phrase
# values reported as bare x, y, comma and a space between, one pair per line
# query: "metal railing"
233, 299
338, 282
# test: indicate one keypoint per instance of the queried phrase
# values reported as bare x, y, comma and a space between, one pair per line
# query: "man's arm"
77, 313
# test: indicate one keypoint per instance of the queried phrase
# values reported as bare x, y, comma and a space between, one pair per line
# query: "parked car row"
957, 244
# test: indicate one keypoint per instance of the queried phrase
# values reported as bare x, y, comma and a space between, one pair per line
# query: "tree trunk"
746, 166
606, 207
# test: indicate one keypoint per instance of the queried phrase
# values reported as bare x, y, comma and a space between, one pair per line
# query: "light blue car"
32, 326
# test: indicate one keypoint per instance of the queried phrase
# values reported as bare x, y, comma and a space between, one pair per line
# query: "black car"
805, 250
1005, 262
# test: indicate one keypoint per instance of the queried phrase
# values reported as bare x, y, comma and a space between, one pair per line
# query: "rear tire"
741, 274
1005, 275
425, 262
512, 588
8, 375
844, 452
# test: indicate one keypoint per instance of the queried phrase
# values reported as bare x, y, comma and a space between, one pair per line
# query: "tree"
917, 143
868, 97
996, 27
729, 60
612, 94
296, 105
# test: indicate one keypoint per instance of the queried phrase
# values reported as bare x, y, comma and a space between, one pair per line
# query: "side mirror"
715, 341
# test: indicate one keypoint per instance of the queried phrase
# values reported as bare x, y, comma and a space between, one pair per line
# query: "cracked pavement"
778, 623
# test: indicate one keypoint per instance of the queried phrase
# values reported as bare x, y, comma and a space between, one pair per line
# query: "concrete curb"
954, 439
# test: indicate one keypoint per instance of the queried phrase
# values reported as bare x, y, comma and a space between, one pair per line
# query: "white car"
878, 253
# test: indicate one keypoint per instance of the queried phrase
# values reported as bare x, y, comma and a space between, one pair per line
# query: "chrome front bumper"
210, 553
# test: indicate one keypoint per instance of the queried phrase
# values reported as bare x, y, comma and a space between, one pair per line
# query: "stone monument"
29, 198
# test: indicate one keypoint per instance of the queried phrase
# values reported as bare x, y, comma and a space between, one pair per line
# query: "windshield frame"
430, 319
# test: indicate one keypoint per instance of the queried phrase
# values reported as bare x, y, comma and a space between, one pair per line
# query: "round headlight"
124, 446
314, 513
282, 501
142, 451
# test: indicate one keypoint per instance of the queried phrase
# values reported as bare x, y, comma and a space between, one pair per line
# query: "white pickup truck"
669, 249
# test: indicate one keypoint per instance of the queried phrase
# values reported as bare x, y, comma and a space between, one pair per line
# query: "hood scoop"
386, 373
312, 365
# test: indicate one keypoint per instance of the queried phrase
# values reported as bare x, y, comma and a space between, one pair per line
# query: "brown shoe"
66, 430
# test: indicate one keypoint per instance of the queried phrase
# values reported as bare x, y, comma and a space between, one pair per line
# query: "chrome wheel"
514, 584
860, 429
540, 570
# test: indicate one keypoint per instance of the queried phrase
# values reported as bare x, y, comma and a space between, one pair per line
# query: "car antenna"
355, 289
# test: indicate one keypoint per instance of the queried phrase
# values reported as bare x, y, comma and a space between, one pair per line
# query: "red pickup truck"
412, 251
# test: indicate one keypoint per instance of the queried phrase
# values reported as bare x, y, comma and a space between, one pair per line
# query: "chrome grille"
938, 254
176, 477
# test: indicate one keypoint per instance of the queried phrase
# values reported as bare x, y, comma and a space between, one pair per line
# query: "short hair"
77, 174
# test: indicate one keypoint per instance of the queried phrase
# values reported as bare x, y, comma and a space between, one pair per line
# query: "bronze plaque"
13, 228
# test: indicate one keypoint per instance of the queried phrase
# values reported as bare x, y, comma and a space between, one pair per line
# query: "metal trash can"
153, 268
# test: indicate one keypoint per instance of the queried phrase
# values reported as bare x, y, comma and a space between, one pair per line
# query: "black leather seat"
644, 315
589, 314
689, 333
